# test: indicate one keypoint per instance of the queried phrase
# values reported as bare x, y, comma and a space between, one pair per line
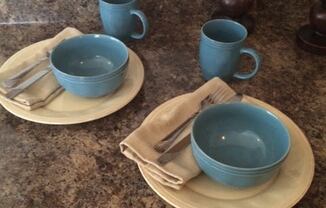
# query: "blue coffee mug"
119, 19
221, 44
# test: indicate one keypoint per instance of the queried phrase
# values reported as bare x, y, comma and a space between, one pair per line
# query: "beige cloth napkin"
138, 146
45, 89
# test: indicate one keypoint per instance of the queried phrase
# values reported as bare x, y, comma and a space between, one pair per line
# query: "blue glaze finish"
92, 88
221, 44
119, 19
240, 180
90, 65
239, 144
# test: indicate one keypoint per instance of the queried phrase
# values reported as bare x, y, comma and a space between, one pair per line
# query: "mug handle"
144, 21
247, 75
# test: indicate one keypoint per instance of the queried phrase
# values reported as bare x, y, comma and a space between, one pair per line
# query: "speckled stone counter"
80, 166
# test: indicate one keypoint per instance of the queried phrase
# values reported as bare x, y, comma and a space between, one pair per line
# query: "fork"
219, 96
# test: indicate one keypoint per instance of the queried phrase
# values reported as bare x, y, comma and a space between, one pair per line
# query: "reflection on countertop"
81, 165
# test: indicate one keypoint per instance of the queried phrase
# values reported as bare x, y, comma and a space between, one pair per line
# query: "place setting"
74, 78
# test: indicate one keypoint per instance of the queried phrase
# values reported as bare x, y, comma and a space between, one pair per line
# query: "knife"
173, 151
27, 83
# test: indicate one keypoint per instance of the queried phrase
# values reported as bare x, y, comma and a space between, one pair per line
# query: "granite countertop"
81, 166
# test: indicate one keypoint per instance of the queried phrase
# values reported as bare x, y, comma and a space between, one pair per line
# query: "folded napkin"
138, 146
45, 89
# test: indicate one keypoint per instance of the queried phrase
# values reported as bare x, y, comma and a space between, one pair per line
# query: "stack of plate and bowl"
90, 65
239, 144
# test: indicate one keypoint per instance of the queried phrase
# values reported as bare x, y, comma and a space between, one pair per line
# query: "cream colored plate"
70, 109
283, 191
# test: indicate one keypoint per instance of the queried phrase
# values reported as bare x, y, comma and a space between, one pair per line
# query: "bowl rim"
231, 167
96, 77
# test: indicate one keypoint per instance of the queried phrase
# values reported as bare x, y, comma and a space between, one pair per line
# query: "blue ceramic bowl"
90, 65
238, 144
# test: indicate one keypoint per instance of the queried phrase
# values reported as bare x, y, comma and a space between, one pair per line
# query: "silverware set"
14, 85
14, 79
14, 91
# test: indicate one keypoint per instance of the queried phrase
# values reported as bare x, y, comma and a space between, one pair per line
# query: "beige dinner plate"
70, 109
283, 191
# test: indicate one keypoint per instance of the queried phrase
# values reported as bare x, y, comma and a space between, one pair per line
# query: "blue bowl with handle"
239, 144
90, 65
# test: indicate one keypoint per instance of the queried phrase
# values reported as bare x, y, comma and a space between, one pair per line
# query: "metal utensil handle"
173, 151
164, 144
182, 127
24, 71
27, 83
